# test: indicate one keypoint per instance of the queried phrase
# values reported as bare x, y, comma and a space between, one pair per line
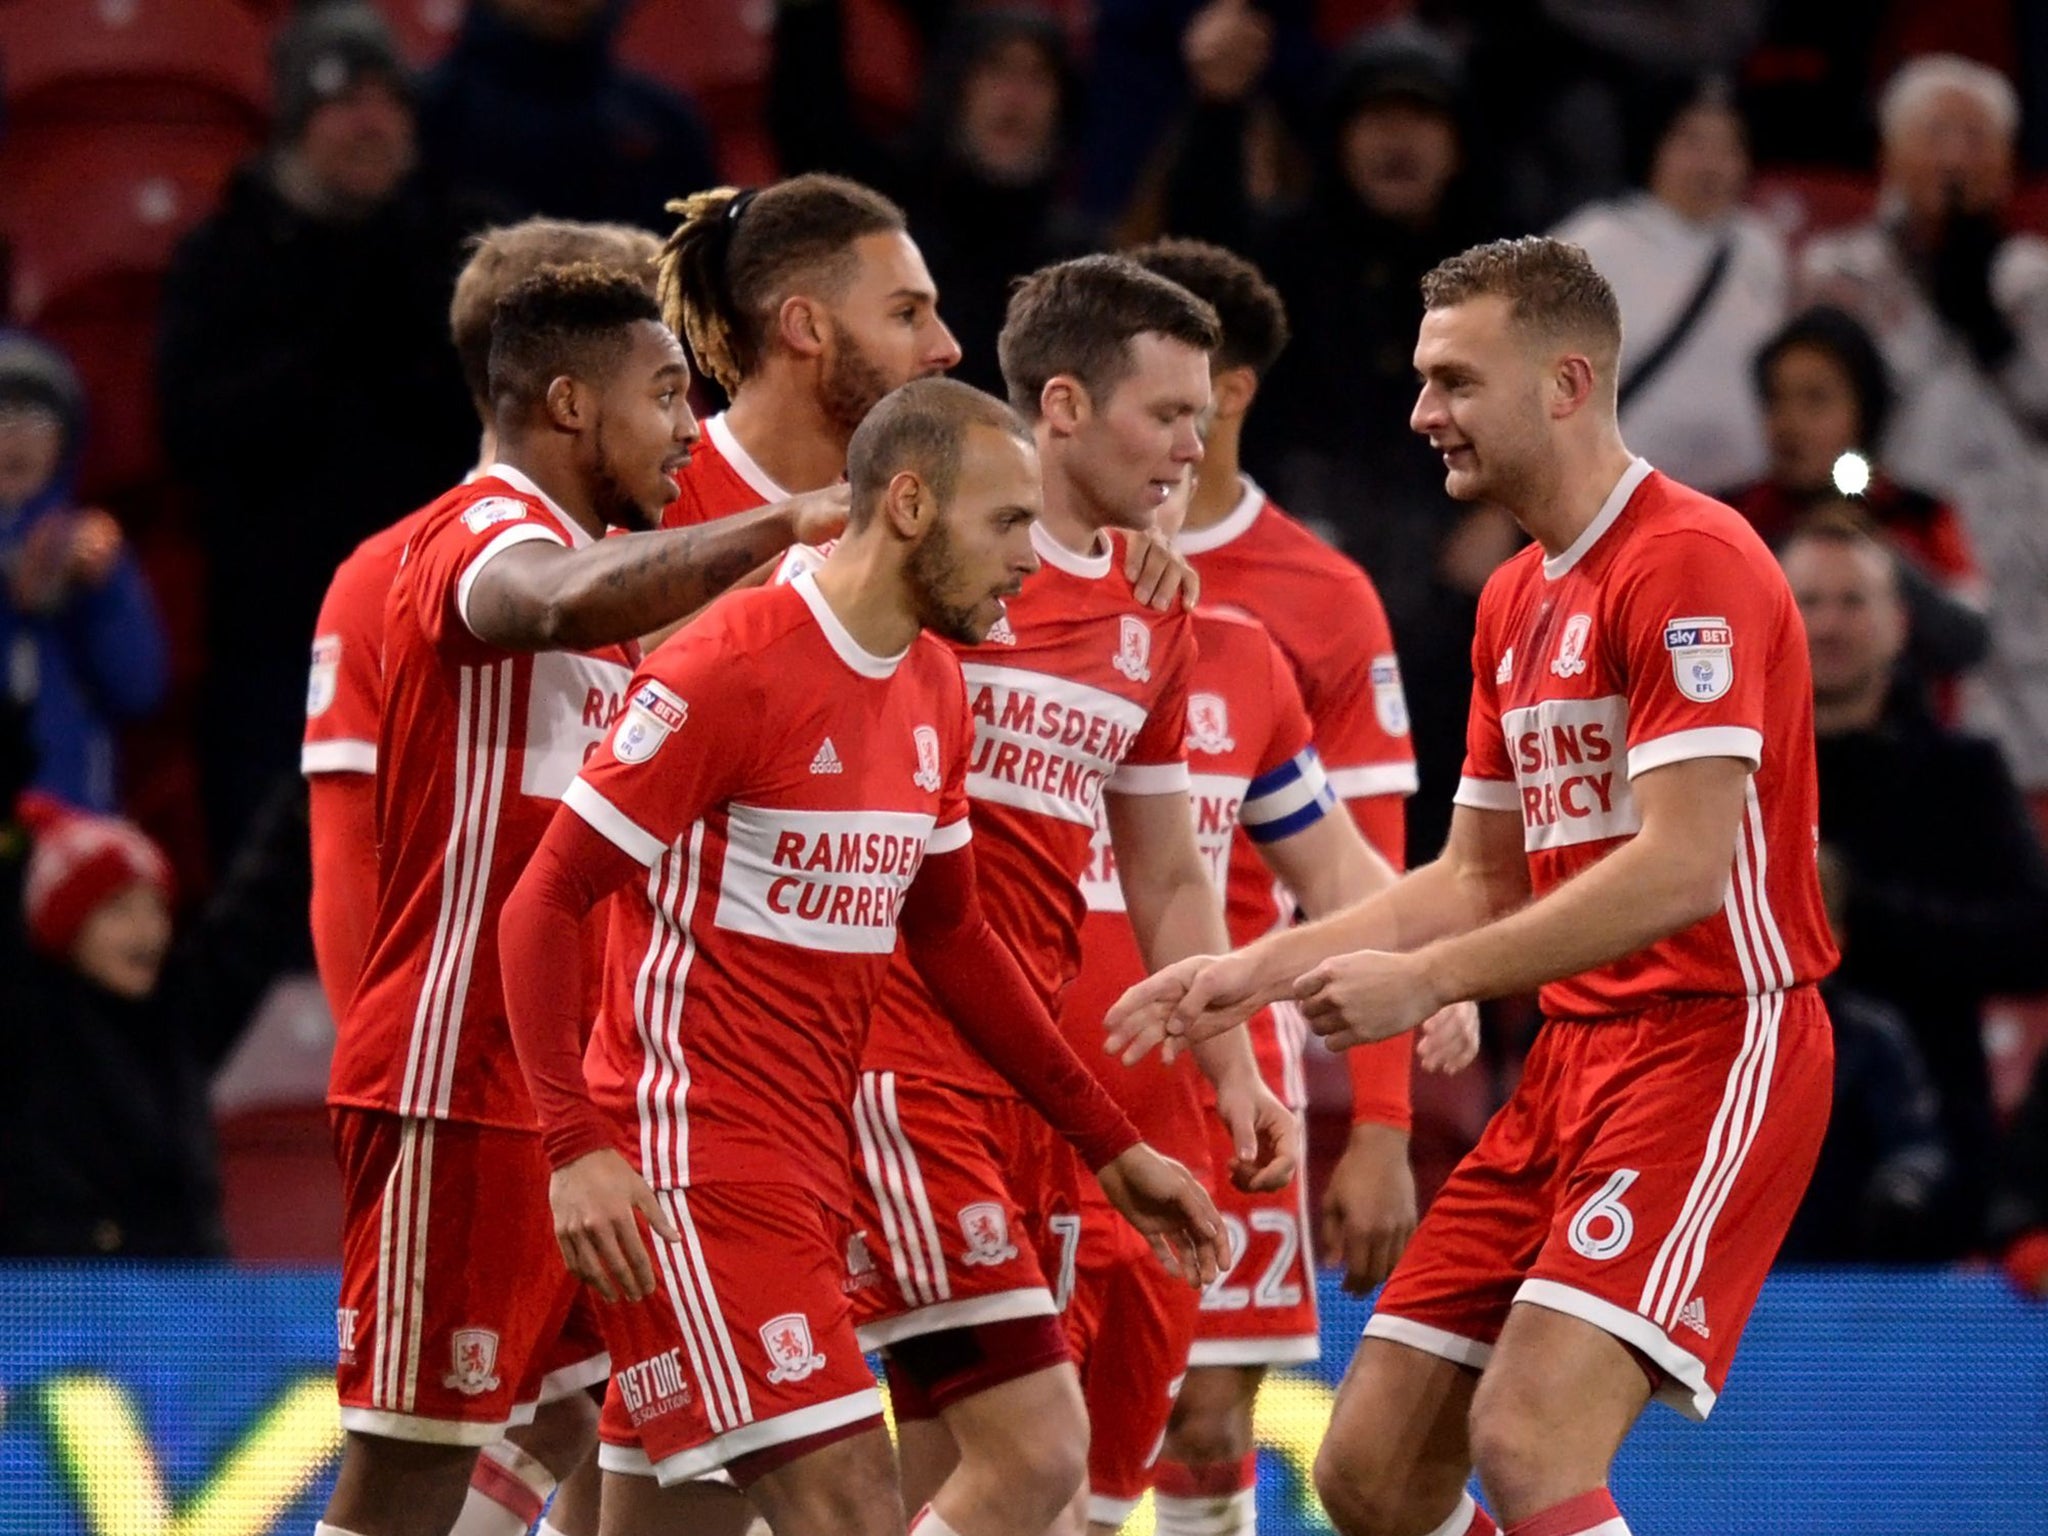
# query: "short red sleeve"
1360, 706
449, 555
1488, 780
1697, 622
678, 748
952, 830
345, 683
1157, 763
1293, 732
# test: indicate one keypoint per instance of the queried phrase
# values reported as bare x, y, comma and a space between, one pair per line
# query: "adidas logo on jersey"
1505, 672
1000, 633
1693, 1315
827, 760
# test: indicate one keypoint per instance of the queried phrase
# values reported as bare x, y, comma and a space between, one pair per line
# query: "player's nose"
945, 352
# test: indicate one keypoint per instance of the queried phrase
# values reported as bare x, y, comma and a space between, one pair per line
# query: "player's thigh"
1212, 1415
1396, 1454
847, 1488
639, 1506
1036, 1424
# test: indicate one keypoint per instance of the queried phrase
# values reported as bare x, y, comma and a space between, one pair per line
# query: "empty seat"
134, 61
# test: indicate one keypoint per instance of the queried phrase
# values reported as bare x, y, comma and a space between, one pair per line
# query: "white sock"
1464, 1520
928, 1523
1234, 1515
507, 1492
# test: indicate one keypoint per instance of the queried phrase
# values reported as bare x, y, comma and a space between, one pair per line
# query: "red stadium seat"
134, 61
1803, 203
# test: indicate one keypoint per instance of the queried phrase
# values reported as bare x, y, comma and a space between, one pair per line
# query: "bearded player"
1634, 834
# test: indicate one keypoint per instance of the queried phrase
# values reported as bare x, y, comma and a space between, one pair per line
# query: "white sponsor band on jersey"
1043, 743
571, 703
1570, 772
827, 880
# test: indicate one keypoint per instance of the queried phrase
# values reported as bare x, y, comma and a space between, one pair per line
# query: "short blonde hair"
1551, 286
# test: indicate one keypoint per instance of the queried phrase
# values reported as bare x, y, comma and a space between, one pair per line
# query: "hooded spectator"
309, 394
532, 113
113, 1033
981, 171
80, 638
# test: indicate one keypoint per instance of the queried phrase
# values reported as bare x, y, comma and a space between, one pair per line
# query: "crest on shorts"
321, 680
1571, 650
651, 714
1133, 649
473, 1356
987, 1230
928, 777
788, 1341
1389, 702
1702, 657
1208, 723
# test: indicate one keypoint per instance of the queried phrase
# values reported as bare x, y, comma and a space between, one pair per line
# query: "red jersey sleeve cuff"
578, 1135
1380, 1082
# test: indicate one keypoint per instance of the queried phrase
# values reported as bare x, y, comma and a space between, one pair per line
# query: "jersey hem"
760, 1435
1454, 1347
422, 1431
1285, 1349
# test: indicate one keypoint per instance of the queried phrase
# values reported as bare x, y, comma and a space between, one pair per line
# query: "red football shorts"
745, 1347
1129, 1323
1262, 1311
958, 1197
1641, 1178
456, 1312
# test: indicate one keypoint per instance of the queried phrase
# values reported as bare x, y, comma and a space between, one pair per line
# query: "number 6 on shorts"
1603, 1226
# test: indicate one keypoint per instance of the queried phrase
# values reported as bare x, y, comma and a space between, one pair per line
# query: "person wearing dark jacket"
980, 173
2019, 1199
308, 392
532, 113
114, 1033
80, 636
1943, 885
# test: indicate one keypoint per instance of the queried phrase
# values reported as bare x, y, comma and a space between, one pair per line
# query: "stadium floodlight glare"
1852, 474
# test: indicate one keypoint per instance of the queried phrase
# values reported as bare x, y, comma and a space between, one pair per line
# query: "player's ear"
568, 403
908, 505
1572, 381
801, 327
1232, 390
1064, 404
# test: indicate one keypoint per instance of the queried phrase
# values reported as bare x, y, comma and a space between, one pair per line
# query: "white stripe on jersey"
663, 1092
697, 1271
722, 1402
498, 737
885, 1178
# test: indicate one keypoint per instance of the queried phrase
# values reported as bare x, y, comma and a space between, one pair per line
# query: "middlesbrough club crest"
474, 1356
1571, 650
987, 1230
928, 777
788, 1341
1208, 723
1133, 649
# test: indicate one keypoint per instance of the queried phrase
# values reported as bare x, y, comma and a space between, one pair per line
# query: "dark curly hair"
572, 319
1254, 319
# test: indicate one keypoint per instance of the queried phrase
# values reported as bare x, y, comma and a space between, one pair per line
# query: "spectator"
113, 1034
978, 176
1943, 888
308, 393
532, 113
79, 633
1389, 199
2019, 1205
1960, 310
1701, 282
1827, 399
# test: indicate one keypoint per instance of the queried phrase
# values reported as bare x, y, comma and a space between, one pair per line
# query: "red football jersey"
720, 479
1078, 688
781, 827
345, 688
475, 745
1665, 633
1252, 764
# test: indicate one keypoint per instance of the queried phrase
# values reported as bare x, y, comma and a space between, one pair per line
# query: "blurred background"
228, 230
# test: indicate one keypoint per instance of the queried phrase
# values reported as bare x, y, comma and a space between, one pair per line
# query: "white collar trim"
1091, 567
719, 430
522, 483
1251, 501
1610, 511
850, 650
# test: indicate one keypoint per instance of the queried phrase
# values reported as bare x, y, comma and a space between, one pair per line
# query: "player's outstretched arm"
538, 596
1670, 875
978, 984
595, 1193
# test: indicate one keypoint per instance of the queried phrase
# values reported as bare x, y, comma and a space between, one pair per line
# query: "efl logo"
1570, 758
652, 714
323, 680
1702, 657
491, 511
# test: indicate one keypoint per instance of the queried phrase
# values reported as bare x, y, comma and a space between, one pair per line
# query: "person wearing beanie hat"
81, 646
307, 395
113, 1034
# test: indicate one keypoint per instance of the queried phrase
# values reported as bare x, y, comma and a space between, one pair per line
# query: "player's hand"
1192, 999
1157, 573
1369, 1206
1170, 1210
595, 1200
1365, 996
1226, 47
817, 516
1450, 1039
1264, 1133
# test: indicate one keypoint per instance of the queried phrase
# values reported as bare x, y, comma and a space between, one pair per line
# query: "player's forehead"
997, 469
1164, 370
888, 264
654, 349
1473, 331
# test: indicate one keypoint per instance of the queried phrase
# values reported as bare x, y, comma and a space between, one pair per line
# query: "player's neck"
558, 481
863, 582
1218, 487
1554, 515
784, 431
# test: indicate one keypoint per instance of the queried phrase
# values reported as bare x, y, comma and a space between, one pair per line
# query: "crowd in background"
1872, 394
